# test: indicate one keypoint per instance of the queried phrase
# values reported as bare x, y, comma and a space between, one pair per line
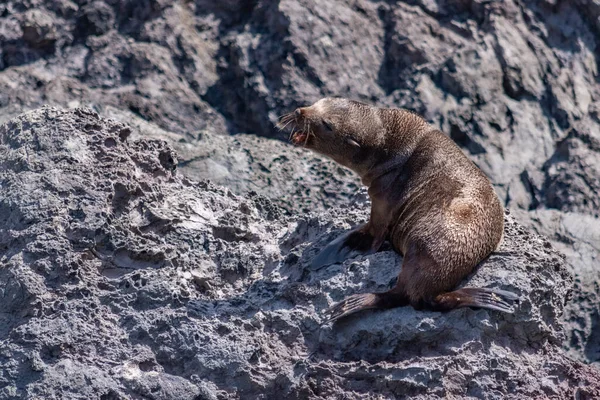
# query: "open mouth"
300, 138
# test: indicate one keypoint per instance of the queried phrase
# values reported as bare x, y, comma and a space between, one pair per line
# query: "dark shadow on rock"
592, 347
245, 104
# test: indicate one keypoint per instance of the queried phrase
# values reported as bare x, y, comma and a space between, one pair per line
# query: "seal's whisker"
308, 133
285, 120
282, 116
306, 130
290, 120
281, 126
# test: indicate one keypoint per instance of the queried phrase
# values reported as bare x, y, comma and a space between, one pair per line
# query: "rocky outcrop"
120, 278
296, 180
515, 83
578, 237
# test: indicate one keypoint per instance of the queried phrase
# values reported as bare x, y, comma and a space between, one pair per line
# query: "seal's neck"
403, 131
381, 169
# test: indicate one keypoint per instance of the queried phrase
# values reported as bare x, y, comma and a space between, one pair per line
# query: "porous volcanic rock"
578, 237
514, 83
296, 180
120, 278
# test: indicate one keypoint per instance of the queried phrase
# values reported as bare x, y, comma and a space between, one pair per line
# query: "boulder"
121, 278
514, 83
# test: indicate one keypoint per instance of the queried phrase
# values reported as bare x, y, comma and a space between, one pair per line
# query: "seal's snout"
300, 126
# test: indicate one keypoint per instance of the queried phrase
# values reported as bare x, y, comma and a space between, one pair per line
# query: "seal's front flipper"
491, 299
351, 305
350, 244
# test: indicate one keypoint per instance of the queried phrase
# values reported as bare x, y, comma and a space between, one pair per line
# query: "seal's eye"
327, 126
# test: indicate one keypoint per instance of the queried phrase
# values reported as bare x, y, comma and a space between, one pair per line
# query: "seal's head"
347, 131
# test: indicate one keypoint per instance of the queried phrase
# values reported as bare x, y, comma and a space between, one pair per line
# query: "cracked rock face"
122, 279
514, 83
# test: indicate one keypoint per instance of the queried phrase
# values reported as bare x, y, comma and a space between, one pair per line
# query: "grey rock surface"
578, 237
122, 279
515, 83
296, 180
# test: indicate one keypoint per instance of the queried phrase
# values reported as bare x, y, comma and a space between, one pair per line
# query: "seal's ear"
352, 143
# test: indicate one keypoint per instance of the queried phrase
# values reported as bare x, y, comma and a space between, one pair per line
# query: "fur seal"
428, 199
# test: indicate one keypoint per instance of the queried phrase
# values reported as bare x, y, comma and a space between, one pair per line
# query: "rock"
507, 82
577, 236
96, 18
296, 180
103, 244
572, 175
514, 83
39, 28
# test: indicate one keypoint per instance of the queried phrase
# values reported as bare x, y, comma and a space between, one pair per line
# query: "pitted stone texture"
122, 279
514, 83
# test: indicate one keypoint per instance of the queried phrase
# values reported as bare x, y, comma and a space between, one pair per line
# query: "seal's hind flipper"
351, 305
491, 299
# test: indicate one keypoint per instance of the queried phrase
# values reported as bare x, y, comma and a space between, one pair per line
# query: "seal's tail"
492, 299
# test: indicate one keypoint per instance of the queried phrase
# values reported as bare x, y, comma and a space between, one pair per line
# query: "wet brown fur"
428, 199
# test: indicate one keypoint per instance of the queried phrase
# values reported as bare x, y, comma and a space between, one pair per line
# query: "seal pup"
428, 199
